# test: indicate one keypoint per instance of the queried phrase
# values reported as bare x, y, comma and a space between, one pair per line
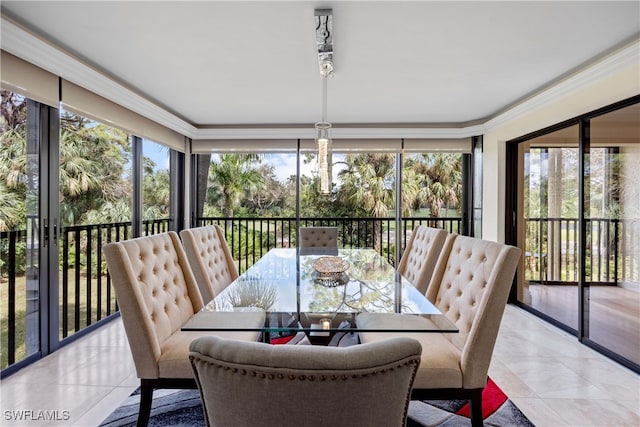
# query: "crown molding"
372, 132
592, 74
37, 51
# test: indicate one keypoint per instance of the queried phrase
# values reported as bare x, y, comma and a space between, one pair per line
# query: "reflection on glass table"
303, 293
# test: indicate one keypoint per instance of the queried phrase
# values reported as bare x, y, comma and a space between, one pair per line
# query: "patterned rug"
497, 411
183, 408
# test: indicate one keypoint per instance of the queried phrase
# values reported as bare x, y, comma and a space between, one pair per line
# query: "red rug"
497, 411
492, 399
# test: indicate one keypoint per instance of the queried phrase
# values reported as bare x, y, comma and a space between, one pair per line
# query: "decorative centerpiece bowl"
330, 269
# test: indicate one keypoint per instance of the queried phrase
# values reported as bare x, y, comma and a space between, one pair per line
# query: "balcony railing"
250, 238
85, 294
86, 297
612, 251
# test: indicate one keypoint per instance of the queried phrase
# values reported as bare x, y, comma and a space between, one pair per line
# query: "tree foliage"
233, 177
438, 181
364, 187
13, 160
94, 169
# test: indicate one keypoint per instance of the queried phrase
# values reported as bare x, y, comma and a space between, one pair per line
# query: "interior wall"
608, 90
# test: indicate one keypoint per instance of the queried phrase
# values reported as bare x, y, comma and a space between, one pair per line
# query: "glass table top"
293, 292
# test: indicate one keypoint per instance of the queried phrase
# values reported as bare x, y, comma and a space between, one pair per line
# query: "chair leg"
476, 408
146, 396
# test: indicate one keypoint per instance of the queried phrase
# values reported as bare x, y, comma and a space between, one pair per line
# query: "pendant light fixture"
324, 42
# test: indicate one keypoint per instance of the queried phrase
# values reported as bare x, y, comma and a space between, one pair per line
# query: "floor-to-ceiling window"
432, 188
612, 217
576, 216
114, 184
550, 224
69, 183
156, 187
19, 213
238, 182
441, 185
359, 199
95, 176
252, 196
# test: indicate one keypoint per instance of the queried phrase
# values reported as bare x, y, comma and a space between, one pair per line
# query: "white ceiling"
226, 63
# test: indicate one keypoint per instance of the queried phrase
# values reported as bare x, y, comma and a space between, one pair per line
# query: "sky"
156, 152
285, 165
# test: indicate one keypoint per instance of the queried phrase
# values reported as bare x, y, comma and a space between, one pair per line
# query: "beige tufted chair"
471, 289
248, 384
419, 258
210, 259
157, 294
318, 241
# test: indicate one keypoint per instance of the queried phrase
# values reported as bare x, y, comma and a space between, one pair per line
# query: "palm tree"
13, 160
410, 190
368, 185
93, 160
12, 208
440, 177
234, 175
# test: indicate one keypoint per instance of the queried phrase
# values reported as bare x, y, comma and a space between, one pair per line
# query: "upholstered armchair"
157, 294
210, 259
318, 240
471, 289
248, 384
420, 255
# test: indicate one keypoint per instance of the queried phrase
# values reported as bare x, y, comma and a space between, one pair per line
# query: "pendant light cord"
324, 98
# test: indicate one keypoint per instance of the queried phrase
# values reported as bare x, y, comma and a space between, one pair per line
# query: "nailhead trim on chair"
303, 377
322, 378
204, 365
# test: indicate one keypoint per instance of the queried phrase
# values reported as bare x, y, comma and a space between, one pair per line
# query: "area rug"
497, 411
183, 408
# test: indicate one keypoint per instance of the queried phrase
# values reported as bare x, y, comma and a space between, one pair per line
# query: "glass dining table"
319, 295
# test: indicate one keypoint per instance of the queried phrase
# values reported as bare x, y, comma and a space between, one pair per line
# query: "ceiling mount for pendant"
324, 40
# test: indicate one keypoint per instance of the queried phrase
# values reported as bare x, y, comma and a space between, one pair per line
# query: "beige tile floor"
552, 378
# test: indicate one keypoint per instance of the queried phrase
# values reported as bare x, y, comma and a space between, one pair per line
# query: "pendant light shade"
324, 156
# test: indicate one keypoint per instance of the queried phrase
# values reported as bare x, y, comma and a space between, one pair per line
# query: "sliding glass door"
612, 255
549, 224
19, 222
577, 220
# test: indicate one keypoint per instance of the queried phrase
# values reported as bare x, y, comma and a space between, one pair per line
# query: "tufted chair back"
470, 286
419, 258
441, 265
243, 382
472, 293
210, 259
156, 293
318, 240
